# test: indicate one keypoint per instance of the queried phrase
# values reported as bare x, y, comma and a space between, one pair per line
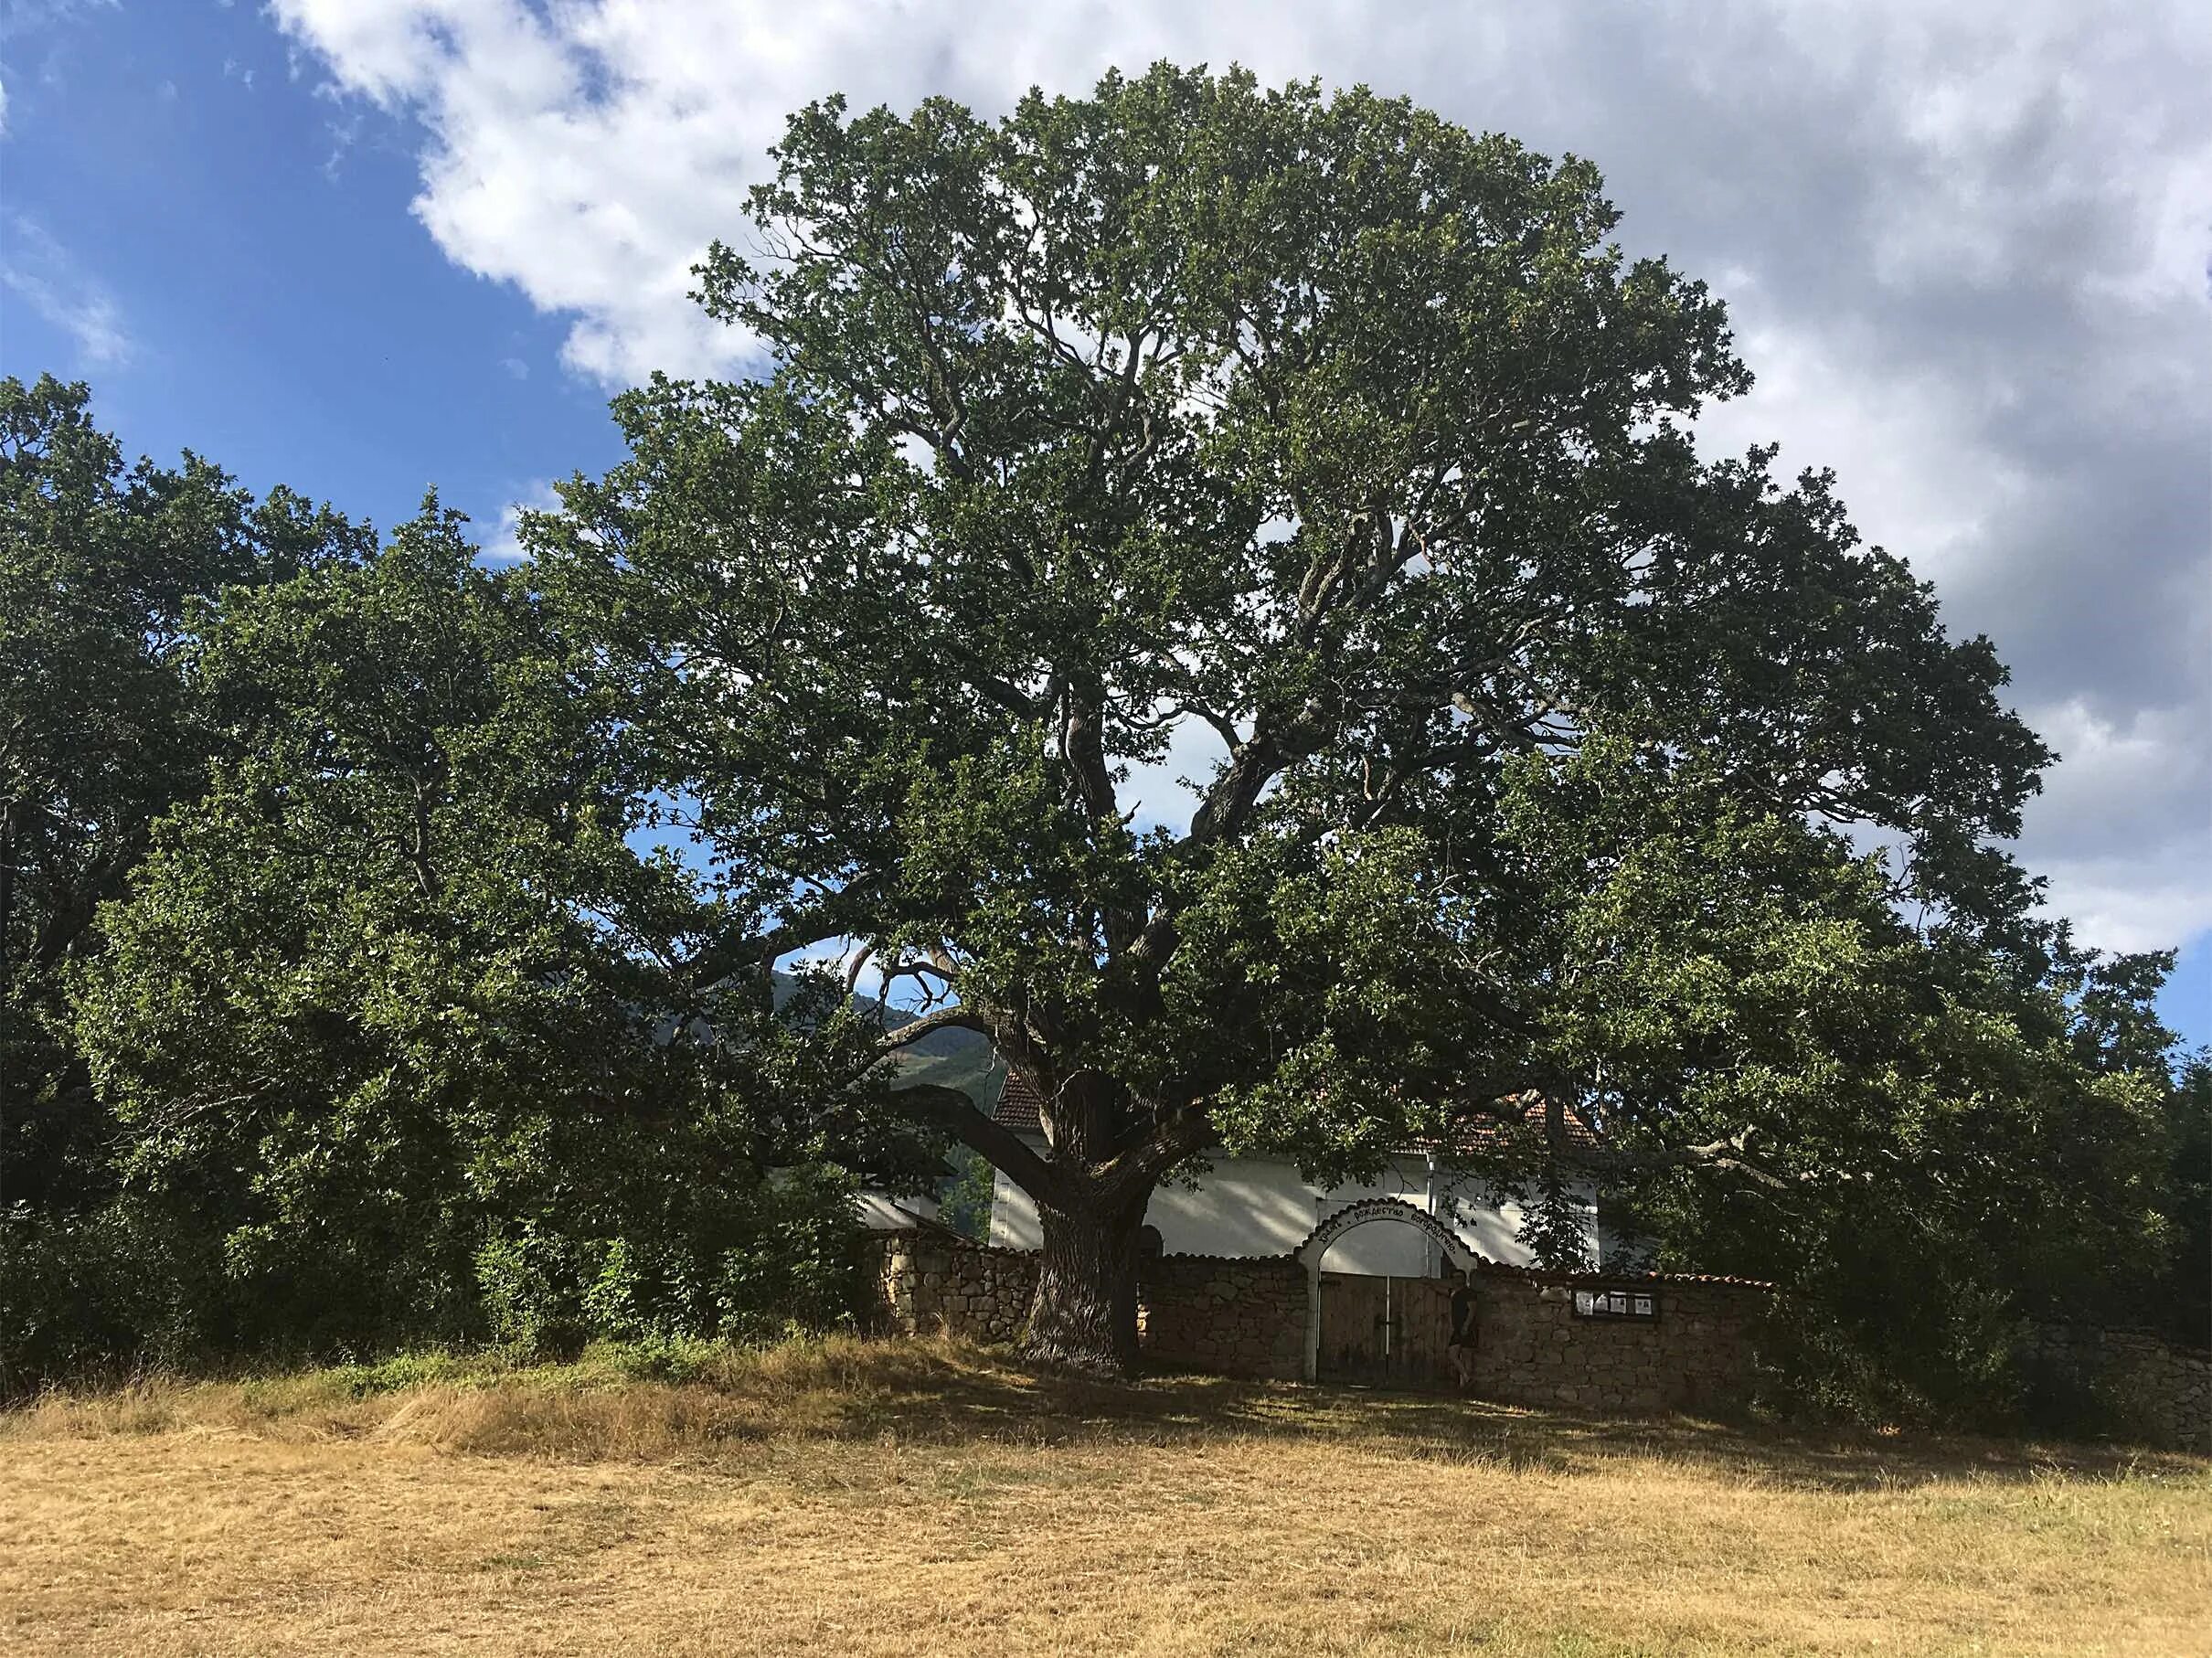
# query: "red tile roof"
1483, 1130
1018, 1106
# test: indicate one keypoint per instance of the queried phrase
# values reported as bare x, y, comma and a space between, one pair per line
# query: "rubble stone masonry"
2151, 1388
1532, 1349
1247, 1317
1232, 1317
924, 1284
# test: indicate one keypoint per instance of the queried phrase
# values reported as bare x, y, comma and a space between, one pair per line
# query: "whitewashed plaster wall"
881, 1212
1263, 1206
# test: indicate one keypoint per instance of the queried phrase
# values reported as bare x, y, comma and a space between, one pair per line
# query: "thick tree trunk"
1085, 1313
1090, 1186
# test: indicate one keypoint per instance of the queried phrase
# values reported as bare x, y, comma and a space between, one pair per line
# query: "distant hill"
956, 1058
951, 1058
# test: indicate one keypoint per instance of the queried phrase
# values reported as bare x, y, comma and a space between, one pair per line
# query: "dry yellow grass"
918, 1498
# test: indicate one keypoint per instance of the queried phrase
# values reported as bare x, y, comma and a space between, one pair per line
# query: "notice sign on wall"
1616, 1303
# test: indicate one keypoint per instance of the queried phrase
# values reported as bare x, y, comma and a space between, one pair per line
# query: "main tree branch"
1005, 1151
928, 1025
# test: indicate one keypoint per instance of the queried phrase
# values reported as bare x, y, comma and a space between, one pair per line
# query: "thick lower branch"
928, 1025
1006, 1151
1137, 1170
1732, 1153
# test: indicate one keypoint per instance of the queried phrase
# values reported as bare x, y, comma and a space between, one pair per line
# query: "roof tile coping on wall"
1556, 1276
1488, 1268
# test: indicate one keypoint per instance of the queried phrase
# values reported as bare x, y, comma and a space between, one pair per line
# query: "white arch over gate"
1454, 1248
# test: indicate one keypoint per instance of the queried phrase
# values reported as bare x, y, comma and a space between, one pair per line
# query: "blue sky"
367, 246
272, 303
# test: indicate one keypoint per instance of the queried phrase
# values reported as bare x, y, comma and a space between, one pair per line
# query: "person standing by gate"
1461, 1350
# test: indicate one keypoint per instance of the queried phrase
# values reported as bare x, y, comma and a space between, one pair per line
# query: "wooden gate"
1389, 1332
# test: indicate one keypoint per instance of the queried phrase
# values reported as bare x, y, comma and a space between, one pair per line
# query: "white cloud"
38, 270
22, 16
2130, 902
505, 545
344, 132
1166, 792
2123, 827
1965, 247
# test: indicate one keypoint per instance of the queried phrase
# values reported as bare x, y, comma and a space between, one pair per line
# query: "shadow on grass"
950, 1393
706, 1400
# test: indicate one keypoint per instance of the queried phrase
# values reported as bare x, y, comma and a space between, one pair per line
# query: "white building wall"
1262, 1205
881, 1212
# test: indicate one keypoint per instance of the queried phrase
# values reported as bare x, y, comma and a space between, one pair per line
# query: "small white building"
881, 1212
1261, 1205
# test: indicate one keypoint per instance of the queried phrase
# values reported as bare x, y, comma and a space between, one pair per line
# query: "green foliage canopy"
387, 1017
1344, 434
103, 569
1549, 751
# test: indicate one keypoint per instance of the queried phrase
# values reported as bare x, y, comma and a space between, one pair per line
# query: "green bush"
95, 1292
720, 1264
129, 1285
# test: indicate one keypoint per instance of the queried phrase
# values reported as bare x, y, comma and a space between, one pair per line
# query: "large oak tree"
1344, 438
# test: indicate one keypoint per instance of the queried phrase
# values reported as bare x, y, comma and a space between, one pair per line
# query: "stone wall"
2150, 1387
1532, 1349
1226, 1315
1248, 1318
1230, 1317
922, 1283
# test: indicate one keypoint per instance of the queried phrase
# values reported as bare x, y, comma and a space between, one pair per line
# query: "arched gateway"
1453, 1247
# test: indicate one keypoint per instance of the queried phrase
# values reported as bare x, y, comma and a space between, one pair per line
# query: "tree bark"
1091, 1195
1084, 1315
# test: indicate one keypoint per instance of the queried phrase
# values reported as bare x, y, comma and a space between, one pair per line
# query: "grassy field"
920, 1498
